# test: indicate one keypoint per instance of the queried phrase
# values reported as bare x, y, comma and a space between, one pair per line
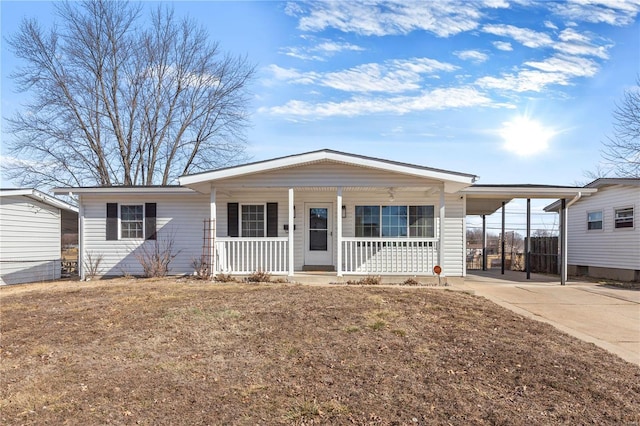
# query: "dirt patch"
167, 352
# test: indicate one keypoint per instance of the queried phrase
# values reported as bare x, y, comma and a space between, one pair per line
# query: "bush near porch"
161, 351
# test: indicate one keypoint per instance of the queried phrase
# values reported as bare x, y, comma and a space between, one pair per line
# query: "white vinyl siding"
326, 174
610, 247
30, 238
178, 217
454, 239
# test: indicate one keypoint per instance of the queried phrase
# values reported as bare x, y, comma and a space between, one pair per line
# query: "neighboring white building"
604, 231
31, 226
323, 210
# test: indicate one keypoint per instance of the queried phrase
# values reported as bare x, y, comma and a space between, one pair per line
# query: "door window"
318, 229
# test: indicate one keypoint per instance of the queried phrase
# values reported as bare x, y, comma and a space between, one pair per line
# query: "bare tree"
119, 100
622, 149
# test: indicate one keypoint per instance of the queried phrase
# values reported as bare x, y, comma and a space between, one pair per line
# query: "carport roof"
487, 199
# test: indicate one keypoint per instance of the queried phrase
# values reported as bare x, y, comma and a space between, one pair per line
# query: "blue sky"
512, 91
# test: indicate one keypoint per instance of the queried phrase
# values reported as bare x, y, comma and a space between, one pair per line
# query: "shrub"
91, 264
368, 280
259, 277
411, 281
155, 257
225, 278
201, 268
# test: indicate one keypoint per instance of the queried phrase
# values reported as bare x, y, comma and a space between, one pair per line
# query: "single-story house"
31, 228
604, 231
322, 210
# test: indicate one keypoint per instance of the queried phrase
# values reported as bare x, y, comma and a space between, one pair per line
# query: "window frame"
264, 219
120, 221
595, 221
408, 227
615, 218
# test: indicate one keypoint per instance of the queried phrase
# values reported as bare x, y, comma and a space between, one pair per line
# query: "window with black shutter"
233, 220
131, 221
112, 221
150, 221
272, 219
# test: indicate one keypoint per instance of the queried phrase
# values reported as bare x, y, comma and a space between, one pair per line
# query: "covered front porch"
344, 231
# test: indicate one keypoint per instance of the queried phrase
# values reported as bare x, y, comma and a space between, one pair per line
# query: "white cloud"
437, 99
471, 55
524, 36
612, 12
321, 50
292, 75
394, 76
550, 25
503, 45
569, 66
575, 43
496, 4
523, 81
443, 18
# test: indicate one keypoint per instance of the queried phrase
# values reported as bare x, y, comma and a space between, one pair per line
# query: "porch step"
319, 268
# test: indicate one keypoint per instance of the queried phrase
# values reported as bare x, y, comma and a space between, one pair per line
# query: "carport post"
484, 242
502, 238
527, 246
563, 241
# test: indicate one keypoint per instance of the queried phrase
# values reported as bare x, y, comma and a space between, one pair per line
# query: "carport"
484, 200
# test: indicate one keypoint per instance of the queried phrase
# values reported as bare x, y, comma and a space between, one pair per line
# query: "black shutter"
272, 219
232, 220
150, 221
112, 221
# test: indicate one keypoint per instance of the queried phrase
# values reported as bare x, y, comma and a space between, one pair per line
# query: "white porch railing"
389, 256
248, 255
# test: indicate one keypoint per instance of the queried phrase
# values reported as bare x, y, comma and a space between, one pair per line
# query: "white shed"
31, 226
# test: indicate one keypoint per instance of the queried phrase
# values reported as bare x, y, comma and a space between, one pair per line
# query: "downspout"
564, 237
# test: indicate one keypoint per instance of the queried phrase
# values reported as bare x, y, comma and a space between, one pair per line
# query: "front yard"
153, 352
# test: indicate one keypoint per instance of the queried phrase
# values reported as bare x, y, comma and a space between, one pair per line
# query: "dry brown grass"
165, 352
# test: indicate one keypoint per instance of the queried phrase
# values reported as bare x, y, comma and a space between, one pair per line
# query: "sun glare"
525, 137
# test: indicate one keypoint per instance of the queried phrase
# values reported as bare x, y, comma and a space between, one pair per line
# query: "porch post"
442, 231
213, 213
339, 233
291, 232
484, 242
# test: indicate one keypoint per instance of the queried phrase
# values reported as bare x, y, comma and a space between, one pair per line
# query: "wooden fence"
544, 255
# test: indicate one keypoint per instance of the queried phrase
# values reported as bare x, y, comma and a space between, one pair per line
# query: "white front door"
318, 234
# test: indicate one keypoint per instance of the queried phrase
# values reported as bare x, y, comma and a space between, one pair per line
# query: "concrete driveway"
606, 316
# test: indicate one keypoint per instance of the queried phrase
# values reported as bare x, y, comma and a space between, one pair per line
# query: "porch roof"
454, 180
487, 199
